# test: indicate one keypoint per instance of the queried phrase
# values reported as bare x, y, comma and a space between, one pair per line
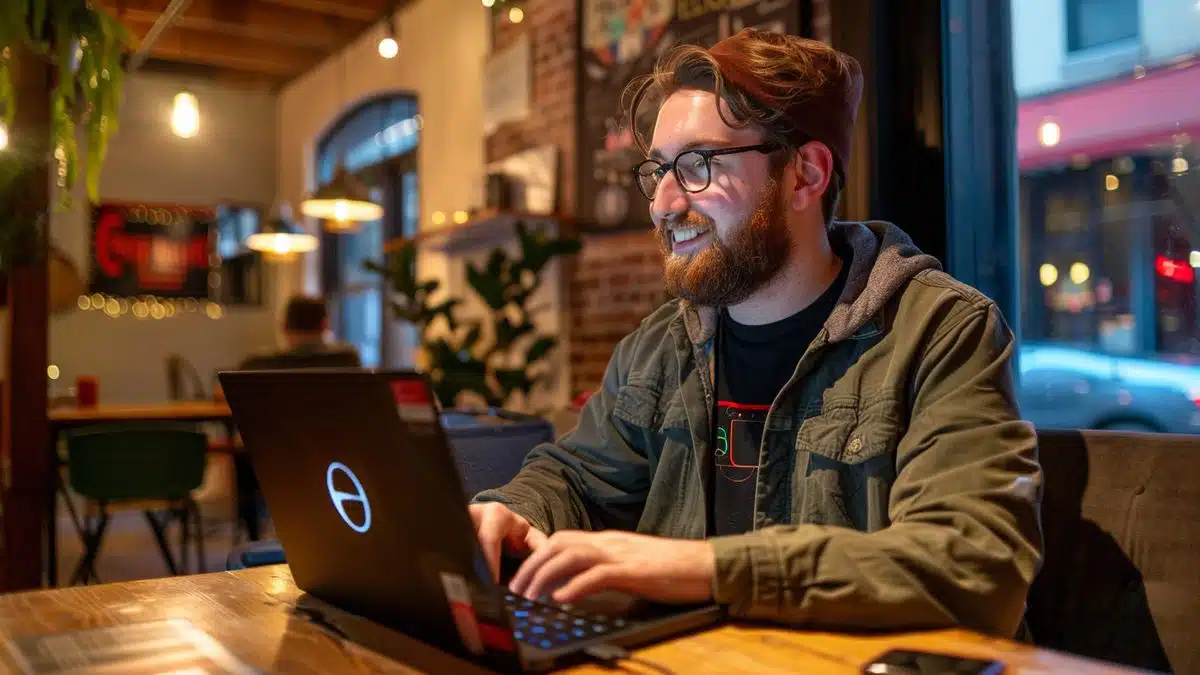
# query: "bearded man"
821, 429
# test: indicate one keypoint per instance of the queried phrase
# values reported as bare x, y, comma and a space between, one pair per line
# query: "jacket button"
854, 446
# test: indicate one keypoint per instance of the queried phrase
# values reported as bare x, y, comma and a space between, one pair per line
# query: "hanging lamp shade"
281, 240
342, 203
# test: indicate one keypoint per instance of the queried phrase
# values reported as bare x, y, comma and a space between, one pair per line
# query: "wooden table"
62, 418
66, 417
250, 612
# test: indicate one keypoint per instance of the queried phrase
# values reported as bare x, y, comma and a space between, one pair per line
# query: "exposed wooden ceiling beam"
363, 10
192, 46
256, 21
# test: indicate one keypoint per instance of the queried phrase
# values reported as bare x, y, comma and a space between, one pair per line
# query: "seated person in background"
821, 429
305, 329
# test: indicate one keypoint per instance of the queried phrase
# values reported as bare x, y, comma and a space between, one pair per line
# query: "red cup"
86, 390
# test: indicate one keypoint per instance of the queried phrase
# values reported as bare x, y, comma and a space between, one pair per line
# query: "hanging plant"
85, 46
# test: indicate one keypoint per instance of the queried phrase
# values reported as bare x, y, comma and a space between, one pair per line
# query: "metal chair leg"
160, 536
185, 527
92, 535
200, 560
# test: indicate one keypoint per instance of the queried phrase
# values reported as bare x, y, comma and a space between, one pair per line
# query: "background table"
250, 612
62, 418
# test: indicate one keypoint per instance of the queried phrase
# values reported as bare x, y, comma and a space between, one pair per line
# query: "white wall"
1041, 65
233, 158
442, 48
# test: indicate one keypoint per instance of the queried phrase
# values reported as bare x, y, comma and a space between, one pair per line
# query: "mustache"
687, 220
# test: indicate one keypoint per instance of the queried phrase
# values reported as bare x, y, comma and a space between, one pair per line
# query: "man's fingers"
603, 577
489, 529
565, 565
530, 567
534, 538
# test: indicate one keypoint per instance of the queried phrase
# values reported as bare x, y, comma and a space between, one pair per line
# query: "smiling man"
821, 429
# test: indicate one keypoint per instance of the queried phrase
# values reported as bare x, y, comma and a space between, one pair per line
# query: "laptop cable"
612, 656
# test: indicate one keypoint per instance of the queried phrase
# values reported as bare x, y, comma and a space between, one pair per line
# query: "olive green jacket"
912, 500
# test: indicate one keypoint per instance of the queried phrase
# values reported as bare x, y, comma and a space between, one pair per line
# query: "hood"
884, 259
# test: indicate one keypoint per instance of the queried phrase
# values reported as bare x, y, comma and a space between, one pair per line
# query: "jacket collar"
883, 260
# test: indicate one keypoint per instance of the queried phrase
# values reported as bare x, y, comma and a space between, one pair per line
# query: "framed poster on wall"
151, 249
620, 40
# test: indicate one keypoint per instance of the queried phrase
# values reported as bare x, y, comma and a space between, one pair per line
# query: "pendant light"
342, 203
280, 240
345, 201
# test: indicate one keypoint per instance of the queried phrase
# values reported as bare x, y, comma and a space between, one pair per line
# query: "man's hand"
498, 528
575, 564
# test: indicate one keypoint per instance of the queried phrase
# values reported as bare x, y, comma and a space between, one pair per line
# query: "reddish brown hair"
791, 70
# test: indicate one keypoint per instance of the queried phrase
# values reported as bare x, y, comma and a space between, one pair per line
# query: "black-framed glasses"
692, 168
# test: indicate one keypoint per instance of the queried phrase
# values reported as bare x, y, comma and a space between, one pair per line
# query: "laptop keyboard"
549, 625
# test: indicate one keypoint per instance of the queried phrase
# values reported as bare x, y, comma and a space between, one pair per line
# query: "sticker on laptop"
413, 400
459, 596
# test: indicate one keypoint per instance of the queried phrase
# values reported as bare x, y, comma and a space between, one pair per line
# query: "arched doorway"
377, 141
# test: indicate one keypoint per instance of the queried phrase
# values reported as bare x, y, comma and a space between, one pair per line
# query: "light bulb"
1049, 134
1048, 274
3, 137
1079, 273
388, 48
341, 211
516, 15
488, 3
185, 116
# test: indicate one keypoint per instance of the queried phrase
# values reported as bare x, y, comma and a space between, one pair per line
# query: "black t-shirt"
753, 364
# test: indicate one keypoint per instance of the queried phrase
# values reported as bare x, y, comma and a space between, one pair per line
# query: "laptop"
369, 507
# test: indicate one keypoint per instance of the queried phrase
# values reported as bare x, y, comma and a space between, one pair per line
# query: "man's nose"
670, 200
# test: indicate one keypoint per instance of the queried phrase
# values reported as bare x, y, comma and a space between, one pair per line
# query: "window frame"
387, 174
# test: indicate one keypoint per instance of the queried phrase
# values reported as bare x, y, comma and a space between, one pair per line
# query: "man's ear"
813, 170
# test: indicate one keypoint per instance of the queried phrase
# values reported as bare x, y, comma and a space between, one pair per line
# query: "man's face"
726, 241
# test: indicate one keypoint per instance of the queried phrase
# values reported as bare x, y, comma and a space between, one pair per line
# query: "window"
1107, 223
377, 141
1096, 23
240, 280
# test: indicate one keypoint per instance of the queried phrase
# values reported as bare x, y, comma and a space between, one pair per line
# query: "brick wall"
551, 26
616, 280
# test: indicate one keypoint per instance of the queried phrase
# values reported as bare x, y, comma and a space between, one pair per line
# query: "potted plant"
492, 358
84, 46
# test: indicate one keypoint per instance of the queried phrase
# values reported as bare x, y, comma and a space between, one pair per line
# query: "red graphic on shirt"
739, 437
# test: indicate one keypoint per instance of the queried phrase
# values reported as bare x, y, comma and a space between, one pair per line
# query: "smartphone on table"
913, 662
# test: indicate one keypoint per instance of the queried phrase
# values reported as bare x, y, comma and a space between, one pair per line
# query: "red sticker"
410, 392
497, 637
464, 613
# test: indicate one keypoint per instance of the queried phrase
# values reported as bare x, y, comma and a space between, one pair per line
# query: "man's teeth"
687, 234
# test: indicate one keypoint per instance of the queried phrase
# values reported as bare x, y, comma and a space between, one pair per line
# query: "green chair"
153, 469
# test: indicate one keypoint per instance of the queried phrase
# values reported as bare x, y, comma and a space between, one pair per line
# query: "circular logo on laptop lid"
341, 499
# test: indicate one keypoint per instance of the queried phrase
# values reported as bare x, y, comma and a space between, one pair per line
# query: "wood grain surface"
181, 411
253, 613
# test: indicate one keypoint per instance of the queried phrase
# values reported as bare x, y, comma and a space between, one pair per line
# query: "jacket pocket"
850, 467
638, 407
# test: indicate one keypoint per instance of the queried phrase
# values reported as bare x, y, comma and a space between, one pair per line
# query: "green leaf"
487, 285
37, 21
473, 336
539, 349
512, 379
